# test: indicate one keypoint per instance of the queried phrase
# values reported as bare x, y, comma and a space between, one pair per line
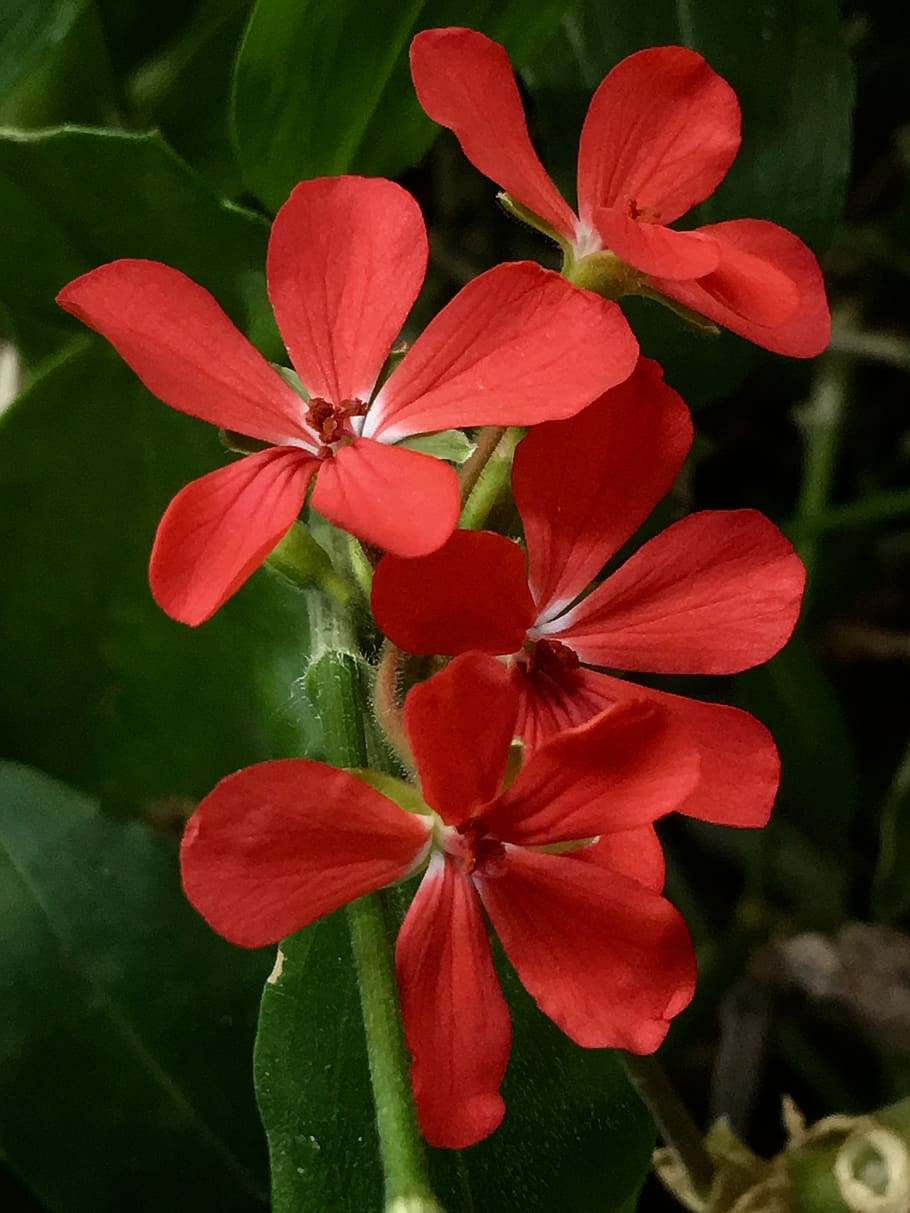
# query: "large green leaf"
185, 91
53, 63
324, 87
574, 1137
71, 199
126, 1024
312, 1080
792, 74
97, 685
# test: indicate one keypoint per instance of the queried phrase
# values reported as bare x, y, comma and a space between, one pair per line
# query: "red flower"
661, 132
346, 260
715, 593
278, 845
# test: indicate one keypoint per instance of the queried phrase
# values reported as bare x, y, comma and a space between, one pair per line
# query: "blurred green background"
173, 132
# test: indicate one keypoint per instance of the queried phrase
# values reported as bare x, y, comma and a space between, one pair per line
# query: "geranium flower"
661, 132
715, 593
605, 956
346, 259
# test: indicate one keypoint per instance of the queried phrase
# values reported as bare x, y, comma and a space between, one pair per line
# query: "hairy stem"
385, 701
338, 689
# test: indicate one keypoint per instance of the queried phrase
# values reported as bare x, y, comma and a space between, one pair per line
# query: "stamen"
474, 849
332, 422
644, 214
551, 657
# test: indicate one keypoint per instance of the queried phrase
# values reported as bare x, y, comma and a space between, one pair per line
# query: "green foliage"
72, 199
312, 1081
119, 1008
97, 685
574, 1137
325, 88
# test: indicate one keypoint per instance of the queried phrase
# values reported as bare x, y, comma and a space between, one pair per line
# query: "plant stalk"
492, 475
672, 1117
339, 690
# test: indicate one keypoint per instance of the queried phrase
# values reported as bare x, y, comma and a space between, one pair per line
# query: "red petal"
584, 486
716, 593
517, 345
738, 300
396, 499
661, 132
279, 844
625, 768
739, 770
751, 288
608, 960
636, 854
220, 528
470, 594
655, 249
185, 349
347, 257
465, 82
455, 1017
550, 702
460, 723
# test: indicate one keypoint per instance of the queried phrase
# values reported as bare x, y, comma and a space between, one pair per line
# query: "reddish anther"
550, 657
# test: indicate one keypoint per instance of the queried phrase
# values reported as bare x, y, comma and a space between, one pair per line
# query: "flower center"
644, 214
332, 422
473, 849
550, 657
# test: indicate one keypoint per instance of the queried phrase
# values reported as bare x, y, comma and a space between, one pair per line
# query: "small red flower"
661, 132
346, 260
715, 593
609, 959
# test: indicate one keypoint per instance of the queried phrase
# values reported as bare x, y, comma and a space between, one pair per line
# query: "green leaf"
53, 64
126, 1024
791, 72
185, 91
452, 445
575, 1135
97, 685
324, 88
312, 1080
72, 199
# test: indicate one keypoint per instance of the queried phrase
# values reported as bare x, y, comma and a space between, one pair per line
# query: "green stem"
337, 683
403, 1158
487, 441
492, 479
877, 507
670, 1114
821, 422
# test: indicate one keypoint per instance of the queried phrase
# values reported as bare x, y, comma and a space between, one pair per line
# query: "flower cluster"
551, 839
